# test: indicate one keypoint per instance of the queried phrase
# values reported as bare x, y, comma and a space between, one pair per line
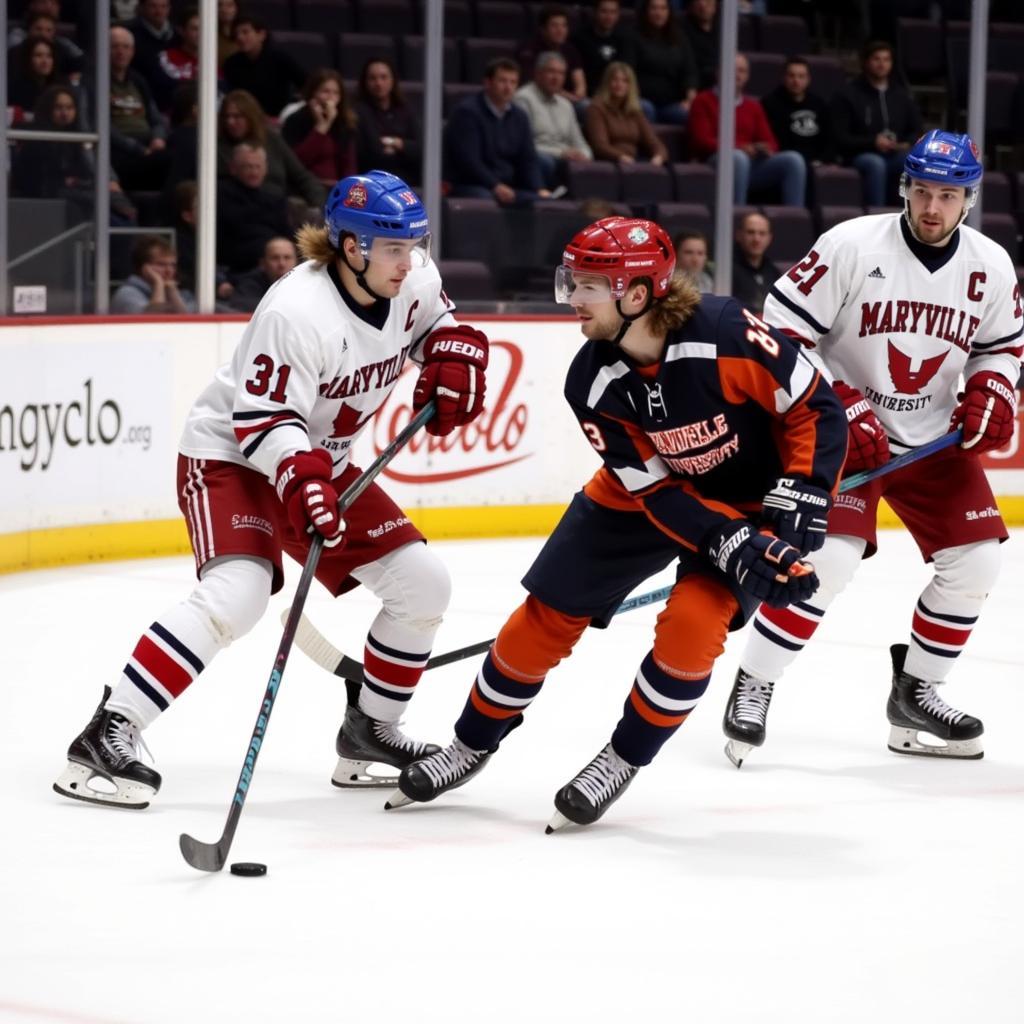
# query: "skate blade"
908, 741
737, 751
351, 774
397, 799
76, 782
558, 821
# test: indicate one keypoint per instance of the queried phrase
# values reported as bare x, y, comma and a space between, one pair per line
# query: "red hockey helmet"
621, 250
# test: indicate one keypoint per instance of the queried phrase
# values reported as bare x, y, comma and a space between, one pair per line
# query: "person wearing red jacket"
757, 161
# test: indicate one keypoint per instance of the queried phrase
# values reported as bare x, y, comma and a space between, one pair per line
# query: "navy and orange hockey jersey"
703, 435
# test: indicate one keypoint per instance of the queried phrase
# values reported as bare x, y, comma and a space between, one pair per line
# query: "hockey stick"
212, 856
316, 646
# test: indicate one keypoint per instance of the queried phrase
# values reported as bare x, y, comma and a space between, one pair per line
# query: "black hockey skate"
593, 791
108, 749
745, 716
363, 741
446, 769
914, 707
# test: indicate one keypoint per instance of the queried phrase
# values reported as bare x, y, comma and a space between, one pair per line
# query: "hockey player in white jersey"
263, 457
918, 320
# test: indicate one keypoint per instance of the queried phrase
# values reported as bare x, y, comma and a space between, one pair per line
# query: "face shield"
394, 252
578, 288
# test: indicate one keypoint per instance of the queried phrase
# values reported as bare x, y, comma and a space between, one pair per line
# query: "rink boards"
91, 412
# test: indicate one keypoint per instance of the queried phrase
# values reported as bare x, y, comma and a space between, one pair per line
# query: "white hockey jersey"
311, 369
879, 319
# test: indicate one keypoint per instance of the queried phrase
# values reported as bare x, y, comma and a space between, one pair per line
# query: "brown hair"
249, 107
676, 307
631, 104
312, 243
317, 78
397, 98
146, 246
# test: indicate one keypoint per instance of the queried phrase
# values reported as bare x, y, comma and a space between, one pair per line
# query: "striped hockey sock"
494, 699
393, 661
779, 635
656, 706
165, 662
937, 637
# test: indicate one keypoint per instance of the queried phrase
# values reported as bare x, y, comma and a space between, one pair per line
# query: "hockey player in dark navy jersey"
721, 447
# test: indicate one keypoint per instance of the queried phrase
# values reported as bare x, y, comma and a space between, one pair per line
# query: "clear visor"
397, 252
574, 288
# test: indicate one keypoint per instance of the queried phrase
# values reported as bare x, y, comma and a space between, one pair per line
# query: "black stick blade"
202, 856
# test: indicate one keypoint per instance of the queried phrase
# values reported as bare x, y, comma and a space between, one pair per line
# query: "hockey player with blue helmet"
941, 159
266, 450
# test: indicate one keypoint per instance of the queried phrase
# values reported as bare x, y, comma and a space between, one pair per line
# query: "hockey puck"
248, 869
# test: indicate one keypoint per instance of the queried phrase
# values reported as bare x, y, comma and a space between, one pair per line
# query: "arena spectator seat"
593, 179
832, 185
765, 73
1002, 228
746, 34
792, 231
921, 50
472, 229
695, 183
394, 17
413, 59
996, 193
827, 75
310, 49
673, 138
829, 216
356, 48
276, 14
677, 217
468, 280
501, 19
644, 183
458, 19
1005, 46
455, 93
478, 53
783, 33
330, 16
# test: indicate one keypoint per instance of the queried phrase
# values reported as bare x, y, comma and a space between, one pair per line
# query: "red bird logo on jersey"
347, 423
907, 381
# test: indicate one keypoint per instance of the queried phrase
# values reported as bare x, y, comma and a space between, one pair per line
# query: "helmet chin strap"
970, 198
360, 276
629, 318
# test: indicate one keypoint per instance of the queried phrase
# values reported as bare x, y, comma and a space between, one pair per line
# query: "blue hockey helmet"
374, 205
944, 157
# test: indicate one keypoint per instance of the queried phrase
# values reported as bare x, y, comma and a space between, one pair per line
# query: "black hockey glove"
797, 512
763, 565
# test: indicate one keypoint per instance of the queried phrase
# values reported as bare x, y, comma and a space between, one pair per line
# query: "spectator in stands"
800, 118
489, 143
271, 75
601, 39
153, 33
227, 11
692, 258
138, 148
700, 27
752, 272
279, 256
557, 136
553, 34
615, 122
185, 218
665, 68
248, 214
241, 119
153, 287
322, 132
757, 161
875, 121
180, 63
31, 70
388, 128
41, 19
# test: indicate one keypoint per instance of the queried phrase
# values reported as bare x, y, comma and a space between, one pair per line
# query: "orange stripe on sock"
643, 709
478, 702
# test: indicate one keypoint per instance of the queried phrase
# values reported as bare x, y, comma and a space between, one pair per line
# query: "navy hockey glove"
454, 360
763, 565
868, 444
987, 409
797, 513
305, 489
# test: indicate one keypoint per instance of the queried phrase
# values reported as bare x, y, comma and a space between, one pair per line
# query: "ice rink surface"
828, 880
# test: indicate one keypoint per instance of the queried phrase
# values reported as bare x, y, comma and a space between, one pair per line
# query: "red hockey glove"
454, 360
869, 446
797, 513
987, 409
763, 565
305, 489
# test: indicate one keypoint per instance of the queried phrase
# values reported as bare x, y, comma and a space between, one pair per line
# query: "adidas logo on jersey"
877, 272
